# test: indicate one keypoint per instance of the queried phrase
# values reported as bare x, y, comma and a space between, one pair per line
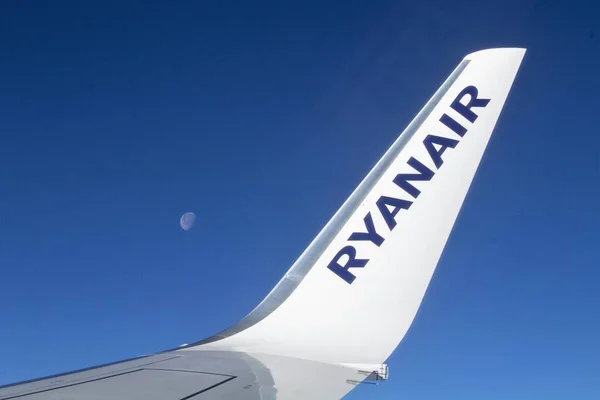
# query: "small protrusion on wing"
372, 372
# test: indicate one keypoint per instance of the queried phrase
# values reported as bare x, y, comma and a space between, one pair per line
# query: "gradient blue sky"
118, 116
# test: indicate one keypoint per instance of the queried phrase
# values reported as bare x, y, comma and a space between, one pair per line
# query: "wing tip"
498, 51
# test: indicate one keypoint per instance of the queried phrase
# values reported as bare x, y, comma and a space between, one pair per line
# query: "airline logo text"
389, 207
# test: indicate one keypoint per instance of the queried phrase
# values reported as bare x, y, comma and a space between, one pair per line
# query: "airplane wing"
349, 299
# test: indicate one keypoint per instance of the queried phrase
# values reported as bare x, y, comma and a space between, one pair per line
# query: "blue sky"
117, 117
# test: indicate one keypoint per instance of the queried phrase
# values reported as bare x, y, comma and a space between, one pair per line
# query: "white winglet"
354, 292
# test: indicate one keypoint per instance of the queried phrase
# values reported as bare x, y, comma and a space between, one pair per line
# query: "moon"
187, 221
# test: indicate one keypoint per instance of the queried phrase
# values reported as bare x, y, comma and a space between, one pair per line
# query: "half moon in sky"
187, 221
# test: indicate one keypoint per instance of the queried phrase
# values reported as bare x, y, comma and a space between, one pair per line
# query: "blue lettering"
436, 154
452, 124
353, 262
389, 207
397, 204
425, 174
371, 235
465, 109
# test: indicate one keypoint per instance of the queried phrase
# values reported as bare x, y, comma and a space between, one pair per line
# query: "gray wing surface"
182, 375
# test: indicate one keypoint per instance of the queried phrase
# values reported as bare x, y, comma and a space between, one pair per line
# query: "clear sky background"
116, 117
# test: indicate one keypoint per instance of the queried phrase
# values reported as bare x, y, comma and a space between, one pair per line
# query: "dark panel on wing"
144, 383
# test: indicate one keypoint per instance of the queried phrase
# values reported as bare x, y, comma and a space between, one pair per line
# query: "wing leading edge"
349, 299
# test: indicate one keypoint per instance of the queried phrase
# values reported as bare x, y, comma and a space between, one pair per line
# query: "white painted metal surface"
329, 320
